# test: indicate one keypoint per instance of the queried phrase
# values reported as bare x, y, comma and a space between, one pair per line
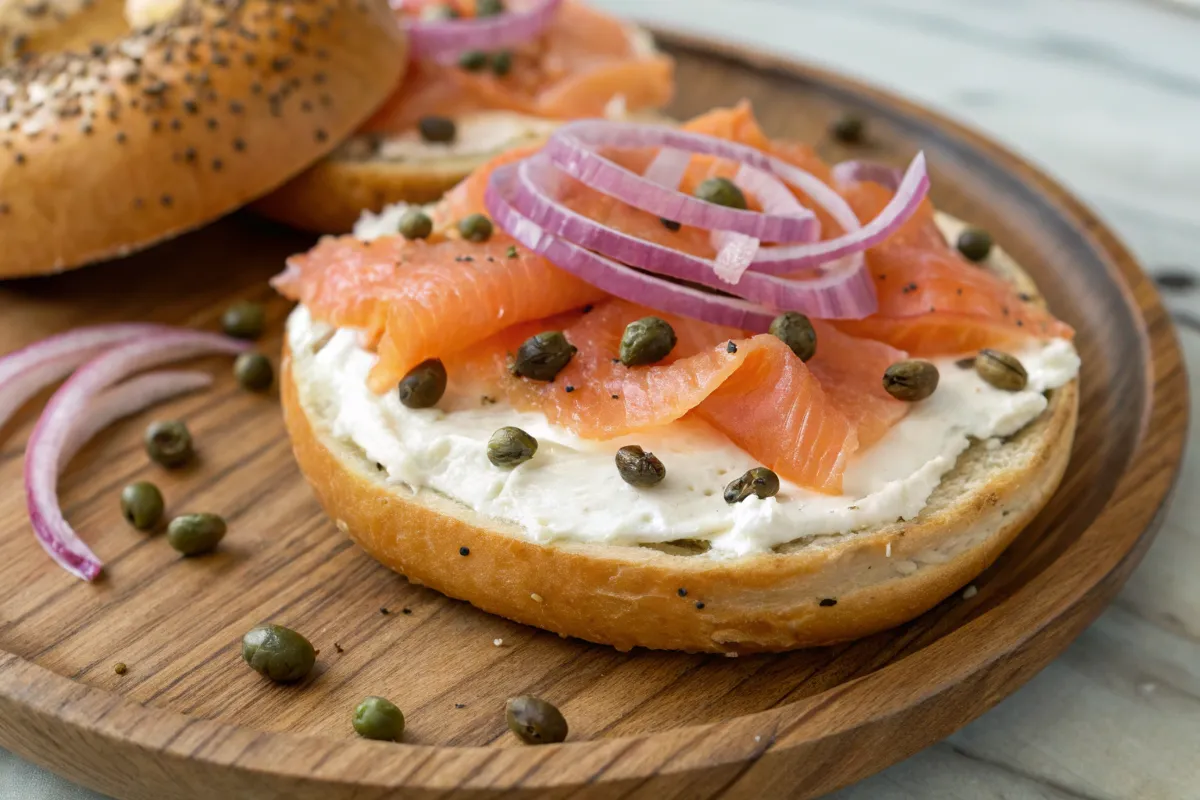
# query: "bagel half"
110, 148
365, 173
630, 596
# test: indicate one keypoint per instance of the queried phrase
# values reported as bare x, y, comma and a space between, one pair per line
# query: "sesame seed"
535, 597
464, 551
166, 201
682, 592
699, 606
498, 642
828, 602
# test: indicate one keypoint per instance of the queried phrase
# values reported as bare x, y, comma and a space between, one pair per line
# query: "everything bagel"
112, 139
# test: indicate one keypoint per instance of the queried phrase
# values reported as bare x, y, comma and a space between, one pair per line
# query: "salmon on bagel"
487, 77
120, 127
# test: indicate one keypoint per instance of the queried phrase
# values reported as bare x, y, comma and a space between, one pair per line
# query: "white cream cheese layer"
571, 489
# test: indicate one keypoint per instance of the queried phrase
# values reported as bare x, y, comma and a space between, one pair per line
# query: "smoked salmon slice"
418, 300
580, 63
802, 420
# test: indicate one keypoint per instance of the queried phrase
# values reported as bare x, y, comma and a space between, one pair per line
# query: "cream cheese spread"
571, 490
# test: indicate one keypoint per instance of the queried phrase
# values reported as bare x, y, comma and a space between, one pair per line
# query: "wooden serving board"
190, 720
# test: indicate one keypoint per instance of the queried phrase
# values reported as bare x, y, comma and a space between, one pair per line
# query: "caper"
142, 505
415, 224
975, 244
437, 129
543, 356
278, 653
169, 443
911, 380
475, 228
646, 341
534, 720
639, 468
796, 331
378, 718
1001, 370
848, 128
721, 191
254, 372
424, 384
195, 534
473, 60
488, 8
502, 63
510, 446
760, 482
244, 320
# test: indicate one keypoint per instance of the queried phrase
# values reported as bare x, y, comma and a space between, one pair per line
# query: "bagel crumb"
731, 654
970, 592
498, 642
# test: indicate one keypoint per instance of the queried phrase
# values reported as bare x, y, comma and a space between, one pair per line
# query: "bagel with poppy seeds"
678, 595
115, 138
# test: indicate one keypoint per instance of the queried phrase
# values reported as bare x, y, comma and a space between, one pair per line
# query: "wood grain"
189, 720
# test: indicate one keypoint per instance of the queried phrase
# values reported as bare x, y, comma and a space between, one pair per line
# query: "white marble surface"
1105, 95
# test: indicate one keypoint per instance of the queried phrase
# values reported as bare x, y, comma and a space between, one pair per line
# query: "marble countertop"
1105, 96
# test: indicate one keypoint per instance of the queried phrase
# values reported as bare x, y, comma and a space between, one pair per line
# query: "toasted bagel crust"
629, 596
110, 150
330, 197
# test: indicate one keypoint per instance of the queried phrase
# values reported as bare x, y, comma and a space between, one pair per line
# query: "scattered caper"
475, 228
378, 718
169, 443
975, 244
244, 320
639, 468
415, 224
543, 356
120, 668
195, 534
510, 446
142, 505
911, 380
534, 720
278, 653
796, 331
254, 372
473, 61
722, 192
502, 63
646, 341
848, 128
424, 385
437, 129
1001, 370
760, 482
488, 8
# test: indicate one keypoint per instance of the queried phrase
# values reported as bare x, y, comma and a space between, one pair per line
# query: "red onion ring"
25, 372
451, 37
54, 434
573, 149
612, 277
834, 295
858, 171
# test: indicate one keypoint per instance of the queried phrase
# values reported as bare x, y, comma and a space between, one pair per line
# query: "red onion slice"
668, 167
55, 432
451, 37
614, 278
25, 372
857, 171
574, 150
786, 259
528, 187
